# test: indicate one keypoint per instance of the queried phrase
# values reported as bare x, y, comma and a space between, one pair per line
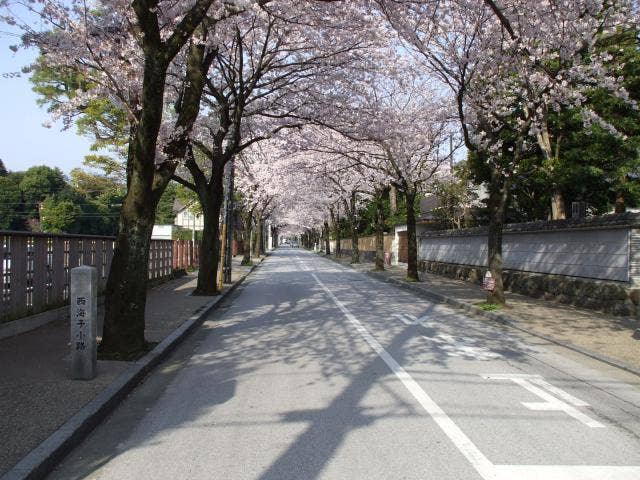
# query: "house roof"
179, 206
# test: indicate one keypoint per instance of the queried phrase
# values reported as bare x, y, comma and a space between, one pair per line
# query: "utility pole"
193, 226
229, 171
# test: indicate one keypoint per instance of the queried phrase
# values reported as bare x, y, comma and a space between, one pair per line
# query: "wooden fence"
365, 244
186, 254
35, 268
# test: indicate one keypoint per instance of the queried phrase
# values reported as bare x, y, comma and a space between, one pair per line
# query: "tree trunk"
327, 241
246, 244
621, 206
467, 216
257, 246
263, 239
393, 200
379, 231
335, 220
412, 244
558, 209
355, 250
498, 195
211, 200
126, 289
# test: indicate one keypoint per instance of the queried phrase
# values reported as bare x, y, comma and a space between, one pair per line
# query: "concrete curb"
498, 317
41, 460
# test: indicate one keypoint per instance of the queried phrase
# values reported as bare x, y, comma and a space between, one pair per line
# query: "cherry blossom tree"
396, 125
336, 162
127, 52
509, 64
257, 182
124, 52
262, 76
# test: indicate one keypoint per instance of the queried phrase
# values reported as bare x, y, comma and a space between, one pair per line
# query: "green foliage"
54, 85
10, 204
164, 211
99, 119
93, 186
59, 215
106, 124
111, 167
97, 195
593, 165
188, 197
180, 233
39, 183
366, 216
41, 198
3, 170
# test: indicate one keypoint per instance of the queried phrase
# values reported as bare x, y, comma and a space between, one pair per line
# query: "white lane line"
475, 457
402, 318
485, 468
566, 472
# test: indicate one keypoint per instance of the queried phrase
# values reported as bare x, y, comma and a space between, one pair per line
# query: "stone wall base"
615, 298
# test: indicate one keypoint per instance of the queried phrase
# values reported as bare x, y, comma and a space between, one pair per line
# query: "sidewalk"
36, 394
597, 334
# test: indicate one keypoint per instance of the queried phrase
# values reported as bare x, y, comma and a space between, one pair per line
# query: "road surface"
314, 371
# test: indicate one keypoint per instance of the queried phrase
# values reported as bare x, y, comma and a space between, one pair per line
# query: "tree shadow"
280, 322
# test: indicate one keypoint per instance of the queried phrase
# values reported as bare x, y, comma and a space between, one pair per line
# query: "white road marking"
423, 321
538, 380
565, 472
475, 457
560, 393
485, 468
457, 348
409, 319
550, 402
402, 318
447, 343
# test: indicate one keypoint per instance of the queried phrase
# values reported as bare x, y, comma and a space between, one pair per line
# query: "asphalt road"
314, 371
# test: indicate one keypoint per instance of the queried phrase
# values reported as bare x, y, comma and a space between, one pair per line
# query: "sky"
24, 141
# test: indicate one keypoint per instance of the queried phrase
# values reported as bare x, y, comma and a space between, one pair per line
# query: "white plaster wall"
602, 254
395, 244
184, 219
162, 232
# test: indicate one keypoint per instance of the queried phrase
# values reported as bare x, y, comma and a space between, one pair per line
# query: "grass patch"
489, 307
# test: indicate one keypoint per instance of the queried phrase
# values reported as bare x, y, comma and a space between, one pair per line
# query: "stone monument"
84, 324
